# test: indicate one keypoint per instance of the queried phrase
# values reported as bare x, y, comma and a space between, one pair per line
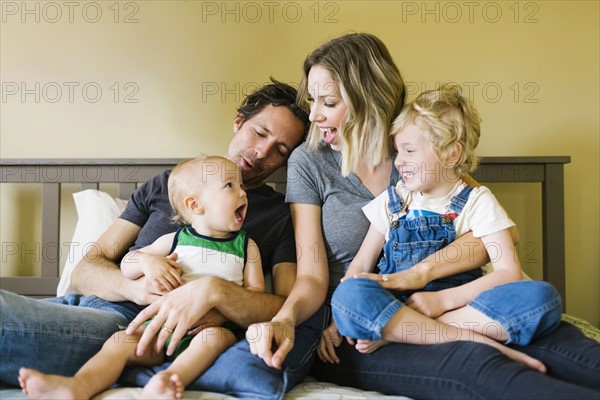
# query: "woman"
355, 90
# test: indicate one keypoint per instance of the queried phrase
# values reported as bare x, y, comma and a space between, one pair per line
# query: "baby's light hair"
183, 180
449, 118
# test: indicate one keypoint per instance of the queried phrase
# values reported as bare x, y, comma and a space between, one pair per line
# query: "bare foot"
521, 358
43, 386
164, 385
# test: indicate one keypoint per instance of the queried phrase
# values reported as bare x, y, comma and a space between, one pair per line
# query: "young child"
208, 201
431, 205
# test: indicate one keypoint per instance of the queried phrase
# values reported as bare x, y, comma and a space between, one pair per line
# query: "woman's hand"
410, 279
369, 346
174, 313
272, 341
330, 339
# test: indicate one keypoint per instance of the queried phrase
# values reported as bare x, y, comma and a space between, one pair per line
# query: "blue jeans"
466, 370
526, 309
56, 336
239, 373
59, 335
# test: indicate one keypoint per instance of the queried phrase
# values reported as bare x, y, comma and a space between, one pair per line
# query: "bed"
96, 209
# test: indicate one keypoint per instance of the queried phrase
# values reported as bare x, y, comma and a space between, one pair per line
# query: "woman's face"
327, 109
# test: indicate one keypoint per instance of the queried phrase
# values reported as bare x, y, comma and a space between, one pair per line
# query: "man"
59, 335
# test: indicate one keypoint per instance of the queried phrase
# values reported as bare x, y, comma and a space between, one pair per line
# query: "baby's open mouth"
240, 213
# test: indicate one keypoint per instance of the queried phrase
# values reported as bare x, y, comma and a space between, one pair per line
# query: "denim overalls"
419, 234
361, 307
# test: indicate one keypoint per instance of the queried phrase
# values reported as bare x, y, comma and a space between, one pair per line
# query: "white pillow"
96, 211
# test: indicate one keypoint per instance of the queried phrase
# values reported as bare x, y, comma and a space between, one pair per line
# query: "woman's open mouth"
329, 135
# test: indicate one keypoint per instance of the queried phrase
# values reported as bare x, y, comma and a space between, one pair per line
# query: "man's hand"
175, 313
211, 319
271, 341
142, 291
330, 339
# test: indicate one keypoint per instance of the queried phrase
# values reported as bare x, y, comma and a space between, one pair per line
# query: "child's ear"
454, 156
193, 204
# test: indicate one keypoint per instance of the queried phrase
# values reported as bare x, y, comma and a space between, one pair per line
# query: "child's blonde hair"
372, 89
184, 180
450, 119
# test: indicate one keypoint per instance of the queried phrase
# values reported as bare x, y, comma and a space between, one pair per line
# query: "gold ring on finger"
167, 329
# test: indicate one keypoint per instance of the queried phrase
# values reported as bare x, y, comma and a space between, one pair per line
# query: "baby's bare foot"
164, 385
41, 386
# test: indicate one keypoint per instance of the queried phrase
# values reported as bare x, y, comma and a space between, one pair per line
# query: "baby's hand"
163, 273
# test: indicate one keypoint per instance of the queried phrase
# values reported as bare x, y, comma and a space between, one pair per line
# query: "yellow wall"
171, 73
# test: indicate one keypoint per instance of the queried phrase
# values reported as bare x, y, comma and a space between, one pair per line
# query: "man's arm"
98, 274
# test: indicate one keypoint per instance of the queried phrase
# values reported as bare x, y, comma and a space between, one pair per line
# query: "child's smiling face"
420, 168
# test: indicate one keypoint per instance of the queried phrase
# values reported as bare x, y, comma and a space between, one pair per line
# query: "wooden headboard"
128, 173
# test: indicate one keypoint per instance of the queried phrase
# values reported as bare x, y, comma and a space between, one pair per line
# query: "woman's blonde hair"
372, 90
449, 119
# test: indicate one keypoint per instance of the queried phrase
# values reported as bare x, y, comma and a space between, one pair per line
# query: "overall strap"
457, 203
394, 206
395, 203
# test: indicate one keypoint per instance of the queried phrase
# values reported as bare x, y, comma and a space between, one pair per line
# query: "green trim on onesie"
234, 246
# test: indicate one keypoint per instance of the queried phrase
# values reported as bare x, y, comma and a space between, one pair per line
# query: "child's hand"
430, 304
369, 346
330, 339
163, 273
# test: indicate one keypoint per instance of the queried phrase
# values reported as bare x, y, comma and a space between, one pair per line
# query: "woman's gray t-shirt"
314, 177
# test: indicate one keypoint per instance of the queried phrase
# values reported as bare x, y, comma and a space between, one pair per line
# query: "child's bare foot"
42, 386
521, 358
164, 385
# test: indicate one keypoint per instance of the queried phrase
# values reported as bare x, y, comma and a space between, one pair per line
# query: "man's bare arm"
98, 274
244, 307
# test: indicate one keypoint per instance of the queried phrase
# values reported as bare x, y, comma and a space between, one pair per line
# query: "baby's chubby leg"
203, 350
96, 375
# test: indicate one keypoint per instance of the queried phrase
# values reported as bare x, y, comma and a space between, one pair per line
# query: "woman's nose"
315, 113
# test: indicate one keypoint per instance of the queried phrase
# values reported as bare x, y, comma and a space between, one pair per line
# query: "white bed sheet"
308, 390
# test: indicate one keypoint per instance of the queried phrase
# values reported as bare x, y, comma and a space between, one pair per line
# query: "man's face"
264, 142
